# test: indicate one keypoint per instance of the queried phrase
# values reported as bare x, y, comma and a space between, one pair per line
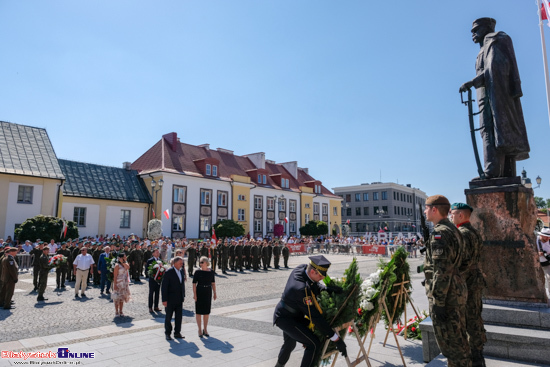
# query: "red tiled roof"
161, 157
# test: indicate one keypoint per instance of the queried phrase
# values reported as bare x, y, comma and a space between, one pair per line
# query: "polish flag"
348, 221
64, 230
167, 214
543, 9
153, 215
286, 219
214, 238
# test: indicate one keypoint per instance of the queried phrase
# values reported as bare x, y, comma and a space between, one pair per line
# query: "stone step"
531, 317
522, 344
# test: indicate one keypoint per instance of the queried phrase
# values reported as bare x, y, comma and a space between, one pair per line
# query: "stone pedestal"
504, 213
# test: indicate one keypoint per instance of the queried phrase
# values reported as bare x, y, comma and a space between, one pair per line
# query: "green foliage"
401, 271
541, 203
331, 303
45, 227
314, 228
228, 228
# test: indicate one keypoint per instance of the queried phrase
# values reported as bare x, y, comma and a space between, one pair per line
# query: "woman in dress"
121, 284
203, 286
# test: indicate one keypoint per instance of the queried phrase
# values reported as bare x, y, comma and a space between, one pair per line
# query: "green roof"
102, 182
28, 151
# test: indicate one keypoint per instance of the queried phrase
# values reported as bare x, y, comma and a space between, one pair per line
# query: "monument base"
505, 216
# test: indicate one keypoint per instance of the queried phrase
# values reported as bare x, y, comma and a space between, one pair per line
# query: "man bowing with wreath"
298, 313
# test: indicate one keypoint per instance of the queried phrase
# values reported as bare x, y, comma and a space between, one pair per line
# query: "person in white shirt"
27, 246
82, 265
52, 246
543, 245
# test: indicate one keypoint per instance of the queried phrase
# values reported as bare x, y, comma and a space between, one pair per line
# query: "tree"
540, 202
314, 228
46, 228
228, 228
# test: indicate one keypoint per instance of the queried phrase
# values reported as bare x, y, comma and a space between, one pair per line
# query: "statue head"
481, 27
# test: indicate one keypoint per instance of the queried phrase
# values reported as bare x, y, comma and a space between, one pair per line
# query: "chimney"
126, 165
258, 159
222, 150
172, 140
291, 167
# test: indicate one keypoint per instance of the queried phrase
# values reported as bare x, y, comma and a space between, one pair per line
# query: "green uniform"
62, 271
44, 266
255, 255
191, 254
265, 256
246, 254
286, 254
9, 276
475, 283
276, 256
36, 252
239, 257
446, 288
136, 262
232, 256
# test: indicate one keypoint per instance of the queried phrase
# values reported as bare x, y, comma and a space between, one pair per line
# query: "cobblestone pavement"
61, 313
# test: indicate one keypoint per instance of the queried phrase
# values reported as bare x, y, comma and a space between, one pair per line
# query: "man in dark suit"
154, 286
173, 294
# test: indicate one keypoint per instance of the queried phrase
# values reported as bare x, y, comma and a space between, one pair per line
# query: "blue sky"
353, 90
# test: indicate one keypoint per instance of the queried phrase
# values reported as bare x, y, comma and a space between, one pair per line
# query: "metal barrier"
24, 261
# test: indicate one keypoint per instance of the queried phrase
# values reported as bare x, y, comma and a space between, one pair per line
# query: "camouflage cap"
460, 206
437, 200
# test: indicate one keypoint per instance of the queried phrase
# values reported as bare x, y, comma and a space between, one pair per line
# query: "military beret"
437, 200
460, 206
484, 22
320, 263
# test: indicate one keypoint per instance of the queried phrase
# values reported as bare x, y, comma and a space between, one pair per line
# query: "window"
348, 198
240, 215
335, 211
307, 206
269, 225
358, 211
376, 210
374, 196
125, 218
348, 212
264, 179
282, 205
205, 197
258, 225
394, 195
292, 226
241, 198
215, 171
208, 170
402, 197
325, 209
384, 195
79, 217
179, 194
315, 208
385, 209
205, 224
177, 223
24, 194
366, 210
259, 178
395, 210
285, 183
222, 198
307, 218
357, 197
258, 202
270, 203
292, 206
366, 196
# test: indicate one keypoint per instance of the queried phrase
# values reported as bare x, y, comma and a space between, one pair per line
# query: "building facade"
201, 186
381, 206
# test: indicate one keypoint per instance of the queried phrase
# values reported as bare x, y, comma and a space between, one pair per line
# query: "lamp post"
153, 184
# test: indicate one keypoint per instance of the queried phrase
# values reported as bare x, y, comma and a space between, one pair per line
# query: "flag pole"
545, 61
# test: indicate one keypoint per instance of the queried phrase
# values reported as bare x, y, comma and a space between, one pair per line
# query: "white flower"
375, 278
367, 283
156, 266
370, 292
161, 270
369, 306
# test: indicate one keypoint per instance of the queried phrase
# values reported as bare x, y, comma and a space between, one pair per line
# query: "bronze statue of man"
498, 88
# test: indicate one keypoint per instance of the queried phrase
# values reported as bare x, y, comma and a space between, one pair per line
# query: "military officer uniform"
269, 253
246, 254
265, 255
36, 253
232, 256
224, 256
9, 276
146, 255
445, 288
299, 300
286, 254
62, 271
255, 255
276, 255
475, 282
214, 256
239, 257
137, 262
44, 264
191, 254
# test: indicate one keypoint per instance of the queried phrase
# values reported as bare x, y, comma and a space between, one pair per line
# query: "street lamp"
526, 181
153, 184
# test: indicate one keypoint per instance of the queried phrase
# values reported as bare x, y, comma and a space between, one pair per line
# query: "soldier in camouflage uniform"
445, 288
471, 273
44, 269
137, 262
61, 272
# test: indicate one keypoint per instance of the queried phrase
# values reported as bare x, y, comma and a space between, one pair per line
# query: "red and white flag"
64, 230
545, 10
153, 214
167, 214
348, 221
214, 238
286, 219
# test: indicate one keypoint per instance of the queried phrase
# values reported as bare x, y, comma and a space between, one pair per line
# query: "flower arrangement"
111, 263
156, 270
58, 261
412, 327
400, 268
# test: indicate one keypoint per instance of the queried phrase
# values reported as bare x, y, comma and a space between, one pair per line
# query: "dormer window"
259, 178
265, 179
215, 171
208, 169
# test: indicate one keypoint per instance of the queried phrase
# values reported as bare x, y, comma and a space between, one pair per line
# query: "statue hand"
464, 87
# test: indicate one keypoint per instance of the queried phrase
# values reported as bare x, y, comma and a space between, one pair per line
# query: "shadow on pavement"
217, 344
180, 347
41, 304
